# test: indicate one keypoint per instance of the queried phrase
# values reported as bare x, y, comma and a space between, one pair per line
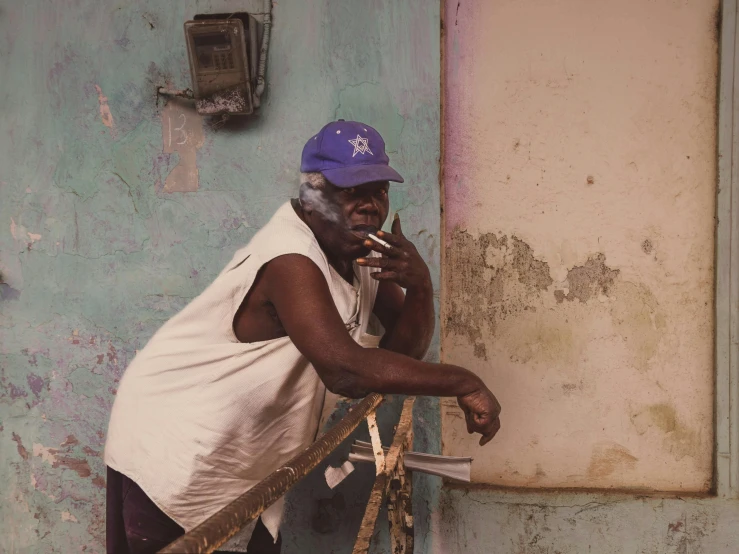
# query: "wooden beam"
400, 507
401, 442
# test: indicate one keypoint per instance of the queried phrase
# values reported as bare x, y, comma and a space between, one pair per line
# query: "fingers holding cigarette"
379, 241
385, 243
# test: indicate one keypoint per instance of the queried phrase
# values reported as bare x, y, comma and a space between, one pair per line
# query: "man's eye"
350, 191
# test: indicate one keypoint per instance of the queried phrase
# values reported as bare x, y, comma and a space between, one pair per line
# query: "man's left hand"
401, 263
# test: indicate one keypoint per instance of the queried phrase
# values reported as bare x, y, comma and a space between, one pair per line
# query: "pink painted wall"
579, 185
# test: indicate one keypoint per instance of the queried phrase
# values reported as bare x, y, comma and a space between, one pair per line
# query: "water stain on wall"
678, 438
544, 337
639, 320
608, 458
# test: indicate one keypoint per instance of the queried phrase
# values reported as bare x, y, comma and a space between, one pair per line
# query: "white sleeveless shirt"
199, 417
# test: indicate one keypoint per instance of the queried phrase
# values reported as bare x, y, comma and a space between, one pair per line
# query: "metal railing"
393, 482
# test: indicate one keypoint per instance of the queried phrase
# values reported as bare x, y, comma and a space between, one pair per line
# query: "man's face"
341, 218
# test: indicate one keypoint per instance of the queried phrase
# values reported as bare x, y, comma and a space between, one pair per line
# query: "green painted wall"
95, 255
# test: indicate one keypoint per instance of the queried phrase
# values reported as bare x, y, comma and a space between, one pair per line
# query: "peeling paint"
36, 384
483, 269
592, 278
22, 452
105, 116
66, 516
182, 134
80, 466
531, 272
46, 454
71, 440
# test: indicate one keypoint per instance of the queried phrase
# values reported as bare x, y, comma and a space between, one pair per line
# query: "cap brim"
355, 175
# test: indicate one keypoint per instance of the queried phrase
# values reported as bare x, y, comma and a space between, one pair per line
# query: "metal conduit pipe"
267, 25
225, 523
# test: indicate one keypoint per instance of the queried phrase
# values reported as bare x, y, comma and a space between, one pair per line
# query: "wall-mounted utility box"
223, 59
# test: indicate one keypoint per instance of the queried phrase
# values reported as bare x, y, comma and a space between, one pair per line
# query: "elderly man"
233, 386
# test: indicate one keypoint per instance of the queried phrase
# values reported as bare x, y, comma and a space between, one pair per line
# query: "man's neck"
343, 268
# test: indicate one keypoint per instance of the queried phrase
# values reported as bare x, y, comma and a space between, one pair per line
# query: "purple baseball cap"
348, 154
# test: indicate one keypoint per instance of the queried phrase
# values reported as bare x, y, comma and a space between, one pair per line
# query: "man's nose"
367, 204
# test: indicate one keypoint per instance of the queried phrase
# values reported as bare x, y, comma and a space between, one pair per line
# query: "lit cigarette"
379, 241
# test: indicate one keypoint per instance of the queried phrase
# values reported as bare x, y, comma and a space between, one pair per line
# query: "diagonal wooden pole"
391, 473
225, 523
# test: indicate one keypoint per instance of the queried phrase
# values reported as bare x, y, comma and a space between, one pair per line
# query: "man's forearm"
414, 328
386, 372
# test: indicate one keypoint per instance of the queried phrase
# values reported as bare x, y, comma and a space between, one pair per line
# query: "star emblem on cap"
360, 146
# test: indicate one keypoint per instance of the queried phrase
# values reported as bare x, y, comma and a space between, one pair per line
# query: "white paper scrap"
335, 475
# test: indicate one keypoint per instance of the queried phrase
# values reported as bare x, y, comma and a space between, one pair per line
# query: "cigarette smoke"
314, 198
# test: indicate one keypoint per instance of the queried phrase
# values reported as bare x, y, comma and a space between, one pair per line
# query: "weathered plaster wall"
117, 209
498, 522
578, 271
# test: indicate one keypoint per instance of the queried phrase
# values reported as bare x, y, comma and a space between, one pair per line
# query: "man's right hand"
481, 411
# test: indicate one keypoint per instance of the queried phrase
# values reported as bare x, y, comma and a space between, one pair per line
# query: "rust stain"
99, 482
71, 440
90, 452
80, 466
19, 445
608, 458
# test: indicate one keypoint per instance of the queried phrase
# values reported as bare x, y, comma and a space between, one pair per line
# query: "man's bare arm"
408, 318
300, 294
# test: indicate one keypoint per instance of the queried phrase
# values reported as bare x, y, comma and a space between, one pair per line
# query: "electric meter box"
219, 65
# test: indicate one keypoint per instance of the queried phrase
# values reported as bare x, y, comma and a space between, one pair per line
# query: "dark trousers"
135, 525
